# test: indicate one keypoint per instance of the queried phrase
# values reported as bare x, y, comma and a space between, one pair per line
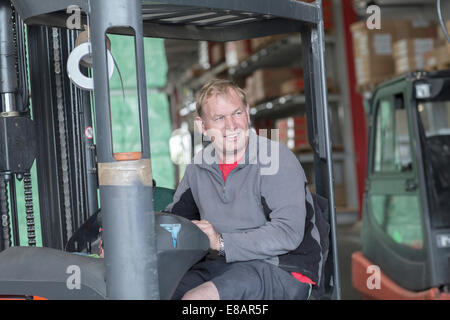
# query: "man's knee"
205, 291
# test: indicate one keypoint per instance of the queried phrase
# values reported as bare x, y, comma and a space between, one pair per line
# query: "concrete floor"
348, 236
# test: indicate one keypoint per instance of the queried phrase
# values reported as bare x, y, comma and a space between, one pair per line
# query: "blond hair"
218, 87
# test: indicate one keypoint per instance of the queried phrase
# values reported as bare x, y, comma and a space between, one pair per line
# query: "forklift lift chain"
6, 231
29, 209
62, 131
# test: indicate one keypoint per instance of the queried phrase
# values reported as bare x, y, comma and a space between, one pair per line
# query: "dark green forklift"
405, 233
144, 257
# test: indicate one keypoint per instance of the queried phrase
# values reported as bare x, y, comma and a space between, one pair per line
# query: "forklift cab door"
393, 236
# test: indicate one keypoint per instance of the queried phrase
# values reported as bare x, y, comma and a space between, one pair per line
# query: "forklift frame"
132, 270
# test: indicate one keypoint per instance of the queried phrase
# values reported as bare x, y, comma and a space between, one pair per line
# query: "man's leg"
199, 274
205, 291
249, 280
257, 280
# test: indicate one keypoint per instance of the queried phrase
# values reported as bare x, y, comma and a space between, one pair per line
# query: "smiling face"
225, 119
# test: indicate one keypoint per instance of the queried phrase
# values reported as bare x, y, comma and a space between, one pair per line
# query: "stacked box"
292, 86
237, 51
250, 90
440, 33
340, 193
259, 43
438, 59
293, 133
373, 48
409, 54
264, 126
266, 83
216, 52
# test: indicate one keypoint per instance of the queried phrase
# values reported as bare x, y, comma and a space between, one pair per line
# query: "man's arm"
285, 197
183, 203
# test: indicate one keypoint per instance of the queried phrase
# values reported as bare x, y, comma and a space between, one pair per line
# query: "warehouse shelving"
285, 106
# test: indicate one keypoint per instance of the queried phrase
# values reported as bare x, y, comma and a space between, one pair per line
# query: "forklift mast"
69, 174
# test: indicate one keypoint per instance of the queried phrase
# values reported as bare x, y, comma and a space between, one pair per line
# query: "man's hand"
209, 230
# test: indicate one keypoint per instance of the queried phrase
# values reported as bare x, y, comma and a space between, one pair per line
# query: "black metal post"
48, 167
313, 52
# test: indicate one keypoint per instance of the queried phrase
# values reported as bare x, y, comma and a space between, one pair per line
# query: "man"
265, 244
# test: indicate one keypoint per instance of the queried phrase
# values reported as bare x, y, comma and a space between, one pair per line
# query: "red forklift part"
127, 156
388, 289
22, 298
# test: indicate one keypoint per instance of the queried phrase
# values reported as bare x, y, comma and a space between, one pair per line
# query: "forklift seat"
51, 274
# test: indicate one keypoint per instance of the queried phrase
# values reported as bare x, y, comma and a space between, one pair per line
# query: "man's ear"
199, 124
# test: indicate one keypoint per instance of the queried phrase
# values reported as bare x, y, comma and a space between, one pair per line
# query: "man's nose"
229, 123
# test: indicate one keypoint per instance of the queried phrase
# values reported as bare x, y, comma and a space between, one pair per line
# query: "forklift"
146, 252
405, 234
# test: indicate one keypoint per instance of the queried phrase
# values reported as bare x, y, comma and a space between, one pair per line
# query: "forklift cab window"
435, 121
395, 210
392, 146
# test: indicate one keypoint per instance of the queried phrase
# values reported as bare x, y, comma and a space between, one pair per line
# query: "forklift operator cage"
130, 268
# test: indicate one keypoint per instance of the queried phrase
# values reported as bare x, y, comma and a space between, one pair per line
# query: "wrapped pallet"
373, 48
409, 54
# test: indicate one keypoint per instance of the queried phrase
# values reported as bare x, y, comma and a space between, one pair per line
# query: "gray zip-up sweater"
261, 208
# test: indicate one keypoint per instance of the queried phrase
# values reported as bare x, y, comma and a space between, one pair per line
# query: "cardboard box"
415, 46
237, 51
292, 86
293, 132
340, 193
409, 63
266, 82
291, 122
440, 32
372, 51
421, 29
409, 54
373, 48
438, 59
249, 90
259, 43
216, 52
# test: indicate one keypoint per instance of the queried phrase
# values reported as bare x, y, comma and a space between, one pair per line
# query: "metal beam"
125, 186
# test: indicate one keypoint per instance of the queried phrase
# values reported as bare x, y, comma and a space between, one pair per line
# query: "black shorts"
248, 280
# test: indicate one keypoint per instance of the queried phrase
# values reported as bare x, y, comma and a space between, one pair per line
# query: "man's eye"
218, 118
